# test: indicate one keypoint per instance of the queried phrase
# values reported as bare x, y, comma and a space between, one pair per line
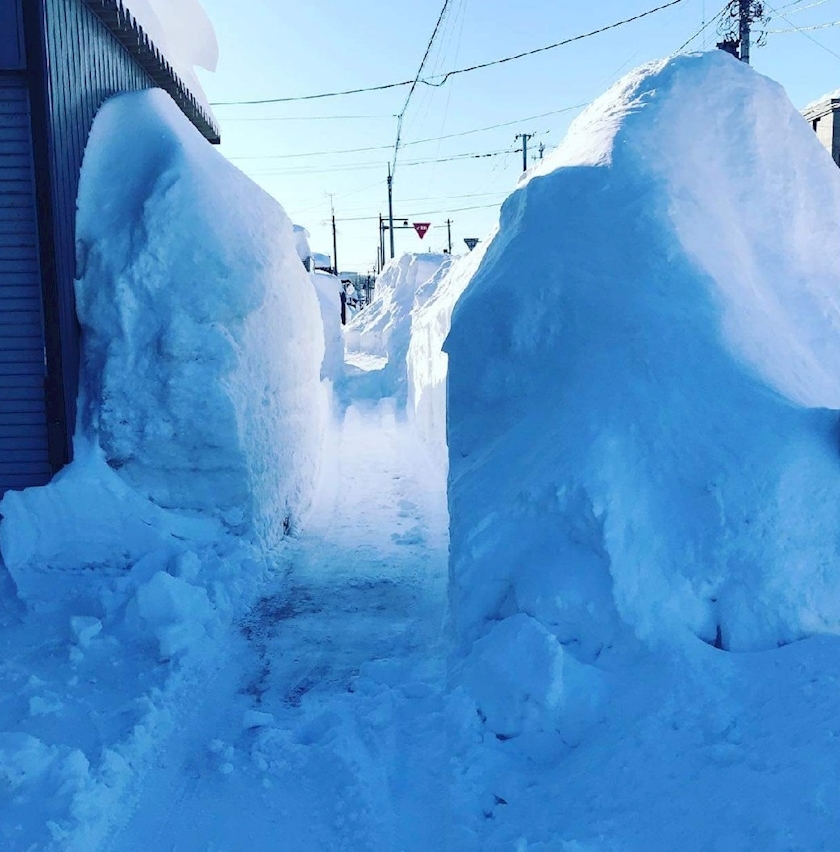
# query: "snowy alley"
312, 735
539, 552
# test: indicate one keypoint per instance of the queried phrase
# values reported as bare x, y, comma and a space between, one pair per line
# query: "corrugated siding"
86, 66
11, 36
24, 452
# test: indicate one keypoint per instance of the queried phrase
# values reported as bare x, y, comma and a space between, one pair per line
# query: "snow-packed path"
323, 730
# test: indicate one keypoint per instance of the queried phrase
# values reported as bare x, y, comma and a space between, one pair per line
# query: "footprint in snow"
413, 536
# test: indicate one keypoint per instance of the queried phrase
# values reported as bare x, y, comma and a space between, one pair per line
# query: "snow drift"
383, 329
201, 332
644, 377
328, 289
426, 360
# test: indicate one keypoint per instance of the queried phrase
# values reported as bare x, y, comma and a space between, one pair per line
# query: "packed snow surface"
203, 340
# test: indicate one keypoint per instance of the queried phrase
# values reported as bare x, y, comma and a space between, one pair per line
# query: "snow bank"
302, 243
328, 290
183, 33
645, 376
384, 327
426, 360
201, 332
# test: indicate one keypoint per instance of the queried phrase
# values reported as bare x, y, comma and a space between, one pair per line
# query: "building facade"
60, 60
824, 118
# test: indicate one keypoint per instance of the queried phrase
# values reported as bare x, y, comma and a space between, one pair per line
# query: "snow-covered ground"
631, 645
322, 727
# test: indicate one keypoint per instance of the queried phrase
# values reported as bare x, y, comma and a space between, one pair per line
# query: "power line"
702, 29
407, 144
804, 8
563, 43
378, 165
309, 118
805, 29
804, 34
441, 80
414, 83
424, 213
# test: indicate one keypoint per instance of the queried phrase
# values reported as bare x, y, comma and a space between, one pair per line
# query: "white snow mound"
644, 378
328, 289
383, 328
202, 336
426, 361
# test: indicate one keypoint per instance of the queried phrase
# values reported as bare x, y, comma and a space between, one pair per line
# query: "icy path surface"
324, 730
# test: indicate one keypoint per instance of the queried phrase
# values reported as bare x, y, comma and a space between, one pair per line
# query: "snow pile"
183, 33
426, 360
202, 340
644, 377
302, 243
383, 328
328, 289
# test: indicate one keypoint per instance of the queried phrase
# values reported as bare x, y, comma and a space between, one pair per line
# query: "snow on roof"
184, 34
822, 103
302, 242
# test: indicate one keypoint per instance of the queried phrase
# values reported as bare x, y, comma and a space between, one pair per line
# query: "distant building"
304, 252
824, 117
59, 61
322, 262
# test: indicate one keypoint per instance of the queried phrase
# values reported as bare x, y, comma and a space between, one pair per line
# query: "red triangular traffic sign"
421, 228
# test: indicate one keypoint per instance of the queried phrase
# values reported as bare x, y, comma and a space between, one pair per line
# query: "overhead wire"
442, 79
411, 143
308, 118
401, 115
805, 29
804, 33
417, 213
378, 165
703, 29
805, 8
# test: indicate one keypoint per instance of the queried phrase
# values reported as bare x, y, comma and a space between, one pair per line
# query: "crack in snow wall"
202, 335
644, 377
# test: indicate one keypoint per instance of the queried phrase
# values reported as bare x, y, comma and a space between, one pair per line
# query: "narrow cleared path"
324, 730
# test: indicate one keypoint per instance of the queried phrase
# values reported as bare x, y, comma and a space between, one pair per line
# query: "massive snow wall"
202, 335
644, 378
384, 328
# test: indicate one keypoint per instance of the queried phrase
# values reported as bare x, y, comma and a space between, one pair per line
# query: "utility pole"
381, 254
391, 209
335, 241
542, 149
524, 137
449, 234
744, 10
737, 25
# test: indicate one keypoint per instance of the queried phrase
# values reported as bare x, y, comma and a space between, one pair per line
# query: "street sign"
421, 228
471, 242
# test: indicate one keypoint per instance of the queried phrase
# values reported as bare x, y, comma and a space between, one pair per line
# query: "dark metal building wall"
85, 65
24, 450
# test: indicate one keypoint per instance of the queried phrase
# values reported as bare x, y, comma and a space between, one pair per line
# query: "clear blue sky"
276, 49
